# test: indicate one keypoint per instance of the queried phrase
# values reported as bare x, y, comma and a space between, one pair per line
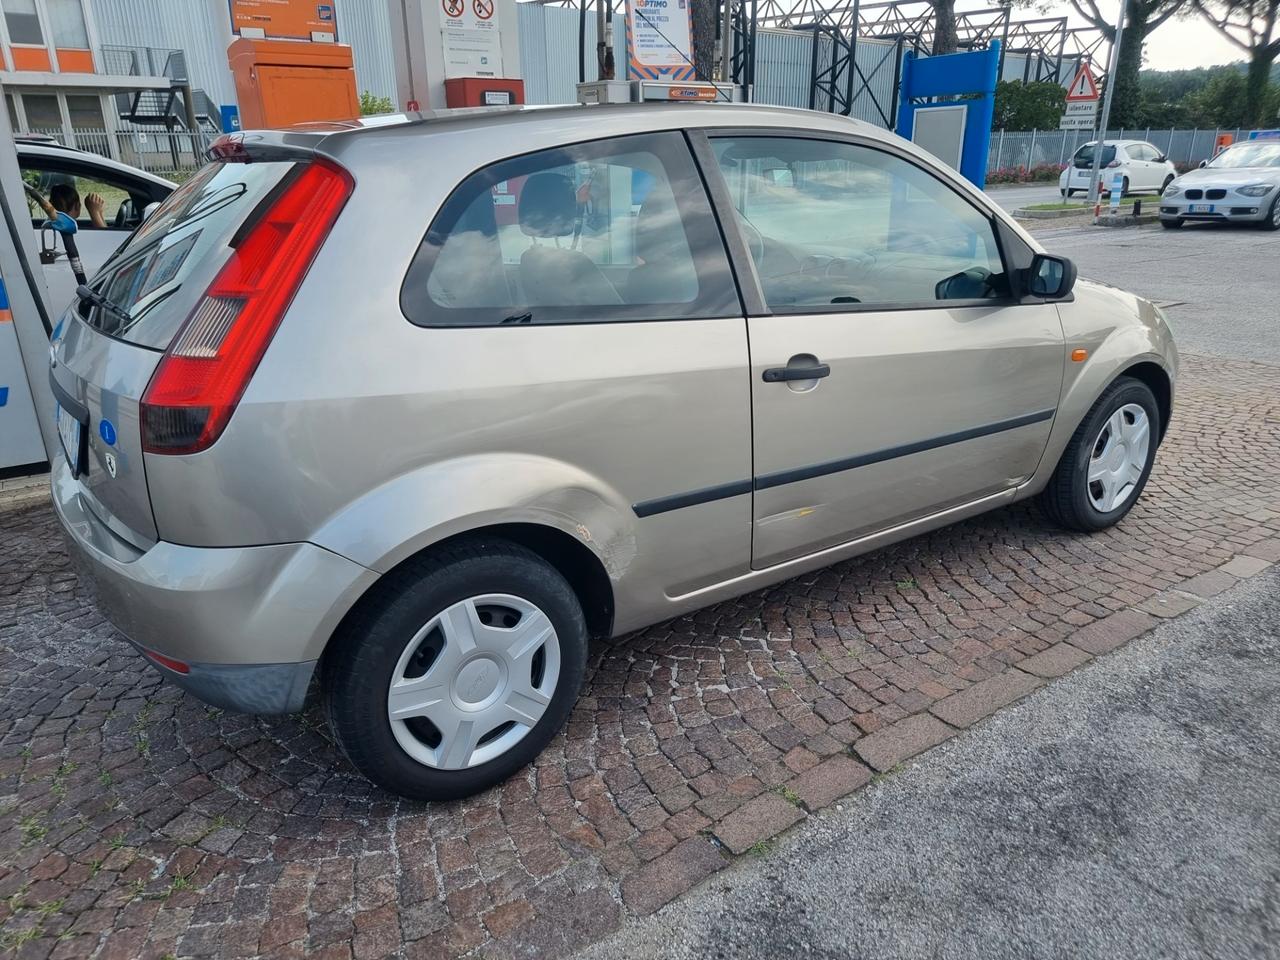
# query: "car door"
892, 375
590, 285
1144, 174
70, 182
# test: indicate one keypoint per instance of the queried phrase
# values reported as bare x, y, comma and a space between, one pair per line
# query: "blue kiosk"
956, 131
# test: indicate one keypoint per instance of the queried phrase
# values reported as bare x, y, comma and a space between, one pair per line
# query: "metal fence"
1027, 149
173, 154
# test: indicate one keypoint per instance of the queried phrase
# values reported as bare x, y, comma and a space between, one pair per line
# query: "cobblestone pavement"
136, 822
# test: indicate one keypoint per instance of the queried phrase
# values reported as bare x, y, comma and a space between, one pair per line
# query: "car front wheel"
1106, 465
1272, 220
457, 671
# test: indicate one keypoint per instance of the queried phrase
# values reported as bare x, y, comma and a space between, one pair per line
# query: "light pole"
1106, 105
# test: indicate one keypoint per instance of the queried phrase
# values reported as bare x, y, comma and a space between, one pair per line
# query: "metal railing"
143, 61
171, 154
1011, 150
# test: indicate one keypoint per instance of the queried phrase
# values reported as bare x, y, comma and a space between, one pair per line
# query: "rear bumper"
249, 623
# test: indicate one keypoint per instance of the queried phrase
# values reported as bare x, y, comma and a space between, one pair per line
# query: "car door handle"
813, 371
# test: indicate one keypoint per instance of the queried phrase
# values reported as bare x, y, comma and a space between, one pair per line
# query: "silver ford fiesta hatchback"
415, 408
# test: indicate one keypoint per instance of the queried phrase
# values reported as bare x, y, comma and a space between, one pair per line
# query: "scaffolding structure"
1049, 48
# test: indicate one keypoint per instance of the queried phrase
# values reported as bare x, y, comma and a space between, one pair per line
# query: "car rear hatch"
150, 309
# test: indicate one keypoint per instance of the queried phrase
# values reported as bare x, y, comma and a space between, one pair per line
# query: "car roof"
612, 119
55, 151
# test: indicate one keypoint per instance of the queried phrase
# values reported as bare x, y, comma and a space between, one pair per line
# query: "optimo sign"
284, 19
659, 40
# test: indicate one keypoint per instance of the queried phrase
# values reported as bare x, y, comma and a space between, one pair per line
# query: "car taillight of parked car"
203, 374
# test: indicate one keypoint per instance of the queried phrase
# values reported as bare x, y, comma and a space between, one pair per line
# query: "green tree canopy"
1028, 106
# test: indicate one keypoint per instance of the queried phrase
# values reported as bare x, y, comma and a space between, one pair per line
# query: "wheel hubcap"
1118, 457
473, 681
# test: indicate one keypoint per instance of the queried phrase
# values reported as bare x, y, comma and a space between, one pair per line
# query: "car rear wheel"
1066, 193
458, 671
1106, 465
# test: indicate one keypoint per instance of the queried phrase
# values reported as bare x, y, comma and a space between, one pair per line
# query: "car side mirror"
1163, 158
1050, 278
149, 209
1202, 164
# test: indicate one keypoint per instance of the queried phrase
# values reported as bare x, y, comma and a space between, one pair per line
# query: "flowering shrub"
1038, 174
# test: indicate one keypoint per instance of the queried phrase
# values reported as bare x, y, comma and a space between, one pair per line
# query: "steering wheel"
121, 220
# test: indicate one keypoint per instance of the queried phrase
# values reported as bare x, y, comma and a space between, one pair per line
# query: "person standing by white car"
1143, 168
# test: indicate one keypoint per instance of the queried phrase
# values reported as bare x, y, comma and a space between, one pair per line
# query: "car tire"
1174, 224
1124, 188
1066, 194
1165, 186
391, 635
1074, 500
1272, 219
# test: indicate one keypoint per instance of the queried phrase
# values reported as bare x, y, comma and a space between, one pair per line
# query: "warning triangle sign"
1083, 86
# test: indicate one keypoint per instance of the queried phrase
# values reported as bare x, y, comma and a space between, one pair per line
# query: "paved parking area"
1127, 811
136, 822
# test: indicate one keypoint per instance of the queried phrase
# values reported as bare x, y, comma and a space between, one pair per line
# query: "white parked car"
69, 178
1239, 185
1144, 168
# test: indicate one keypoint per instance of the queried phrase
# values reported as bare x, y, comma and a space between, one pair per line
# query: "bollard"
1137, 208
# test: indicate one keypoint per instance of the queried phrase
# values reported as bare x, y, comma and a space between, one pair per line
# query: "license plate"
69, 431
1200, 208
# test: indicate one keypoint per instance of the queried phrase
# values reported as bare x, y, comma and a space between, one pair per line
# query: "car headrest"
657, 224
548, 205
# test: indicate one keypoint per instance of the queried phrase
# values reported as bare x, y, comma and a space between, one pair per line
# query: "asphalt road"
1127, 811
1218, 284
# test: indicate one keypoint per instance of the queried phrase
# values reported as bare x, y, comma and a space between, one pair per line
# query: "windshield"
194, 223
1084, 156
1248, 155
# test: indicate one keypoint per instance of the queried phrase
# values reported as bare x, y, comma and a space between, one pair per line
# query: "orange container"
283, 82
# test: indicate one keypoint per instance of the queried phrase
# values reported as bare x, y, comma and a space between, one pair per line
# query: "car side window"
610, 230
830, 223
92, 197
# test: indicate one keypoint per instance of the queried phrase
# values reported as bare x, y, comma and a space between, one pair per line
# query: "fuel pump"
61, 224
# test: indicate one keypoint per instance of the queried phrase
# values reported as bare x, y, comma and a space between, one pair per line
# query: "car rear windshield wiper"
98, 300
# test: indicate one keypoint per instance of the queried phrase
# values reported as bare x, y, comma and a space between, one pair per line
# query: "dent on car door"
892, 374
588, 290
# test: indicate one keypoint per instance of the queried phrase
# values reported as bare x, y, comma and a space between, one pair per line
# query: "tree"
1028, 106
945, 39
1142, 18
1254, 27
371, 103
706, 16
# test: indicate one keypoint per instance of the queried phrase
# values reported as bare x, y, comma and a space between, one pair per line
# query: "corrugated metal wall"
366, 25
177, 24
548, 51
185, 25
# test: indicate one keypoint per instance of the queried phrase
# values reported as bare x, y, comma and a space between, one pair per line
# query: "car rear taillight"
1114, 163
203, 374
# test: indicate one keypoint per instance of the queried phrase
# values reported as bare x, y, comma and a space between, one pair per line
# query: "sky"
1176, 45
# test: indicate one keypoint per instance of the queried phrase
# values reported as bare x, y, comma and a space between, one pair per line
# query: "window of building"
830, 223
66, 23
43, 113
603, 231
22, 21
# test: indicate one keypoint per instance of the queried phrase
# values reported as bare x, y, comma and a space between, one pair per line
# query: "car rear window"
185, 236
1084, 156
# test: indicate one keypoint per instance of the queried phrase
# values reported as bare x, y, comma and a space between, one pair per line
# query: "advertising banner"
659, 40
284, 19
